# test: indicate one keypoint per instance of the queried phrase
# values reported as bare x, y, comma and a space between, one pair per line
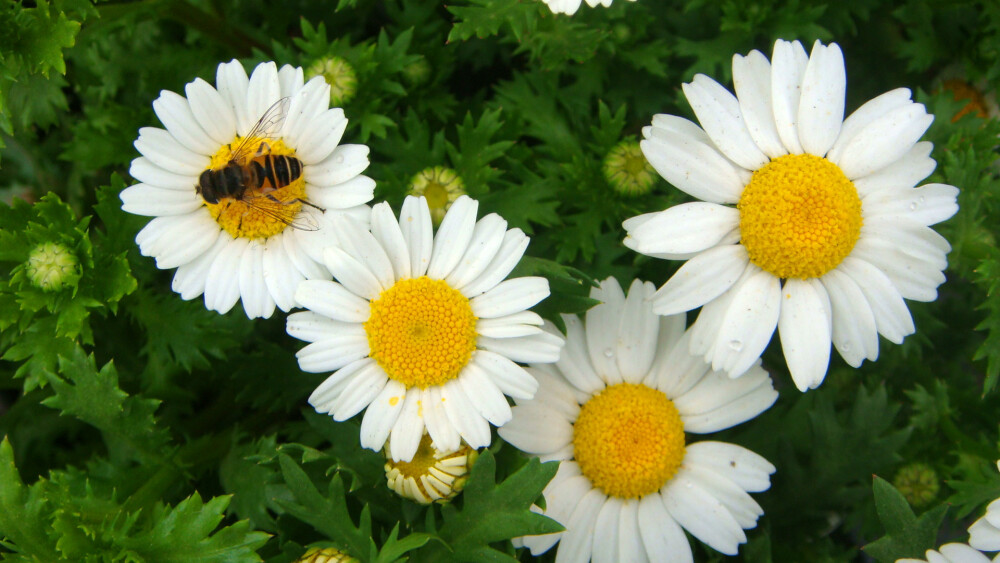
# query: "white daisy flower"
254, 246
984, 534
421, 328
950, 553
614, 411
570, 7
809, 223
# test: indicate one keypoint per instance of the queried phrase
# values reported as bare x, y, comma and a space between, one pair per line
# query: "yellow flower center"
256, 215
430, 475
421, 331
629, 440
799, 216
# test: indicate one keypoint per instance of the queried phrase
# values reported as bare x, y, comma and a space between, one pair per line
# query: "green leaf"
24, 512
493, 512
906, 535
483, 18
94, 397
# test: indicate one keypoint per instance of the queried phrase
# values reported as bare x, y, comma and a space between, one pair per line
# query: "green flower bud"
339, 74
441, 186
52, 266
919, 483
627, 170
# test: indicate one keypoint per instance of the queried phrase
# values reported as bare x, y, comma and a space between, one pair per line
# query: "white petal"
601, 331
296, 247
463, 416
606, 536
575, 545
821, 107
332, 300
718, 402
928, 205
153, 201
381, 415
745, 468
511, 326
555, 393
355, 275
702, 515
748, 324
335, 351
536, 429
233, 83
740, 505
701, 279
540, 348
663, 537
677, 371
175, 113
366, 384
486, 240
485, 396
905, 263
146, 171
719, 113
415, 222
313, 327
290, 79
865, 115
805, 328
692, 164
638, 332
262, 91
574, 362
511, 250
854, 332
190, 278
386, 231
511, 378
164, 151
356, 191
321, 136
257, 301
443, 434
323, 397
404, 439
509, 297
453, 237
213, 112
630, 547
355, 239
884, 141
222, 288
177, 239
344, 163
904, 173
752, 80
685, 228
891, 314
280, 274
788, 66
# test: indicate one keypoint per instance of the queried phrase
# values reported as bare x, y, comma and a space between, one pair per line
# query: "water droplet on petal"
609, 353
338, 158
736, 345
921, 199
913, 206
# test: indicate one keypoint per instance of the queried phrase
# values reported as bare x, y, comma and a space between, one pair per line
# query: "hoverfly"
252, 173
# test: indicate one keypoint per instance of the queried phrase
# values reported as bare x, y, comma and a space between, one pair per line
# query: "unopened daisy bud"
919, 484
431, 476
627, 170
339, 74
52, 266
325, 555
417, 72
441, 186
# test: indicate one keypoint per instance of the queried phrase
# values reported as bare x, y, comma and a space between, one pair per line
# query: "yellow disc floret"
629, 440
257, 215
799, 216
421, 331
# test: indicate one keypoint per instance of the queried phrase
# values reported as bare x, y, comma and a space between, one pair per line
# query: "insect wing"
267, 127
301, 221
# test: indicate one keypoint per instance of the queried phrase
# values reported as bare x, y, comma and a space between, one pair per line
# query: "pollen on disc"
628, 440
421, 332
800, 216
